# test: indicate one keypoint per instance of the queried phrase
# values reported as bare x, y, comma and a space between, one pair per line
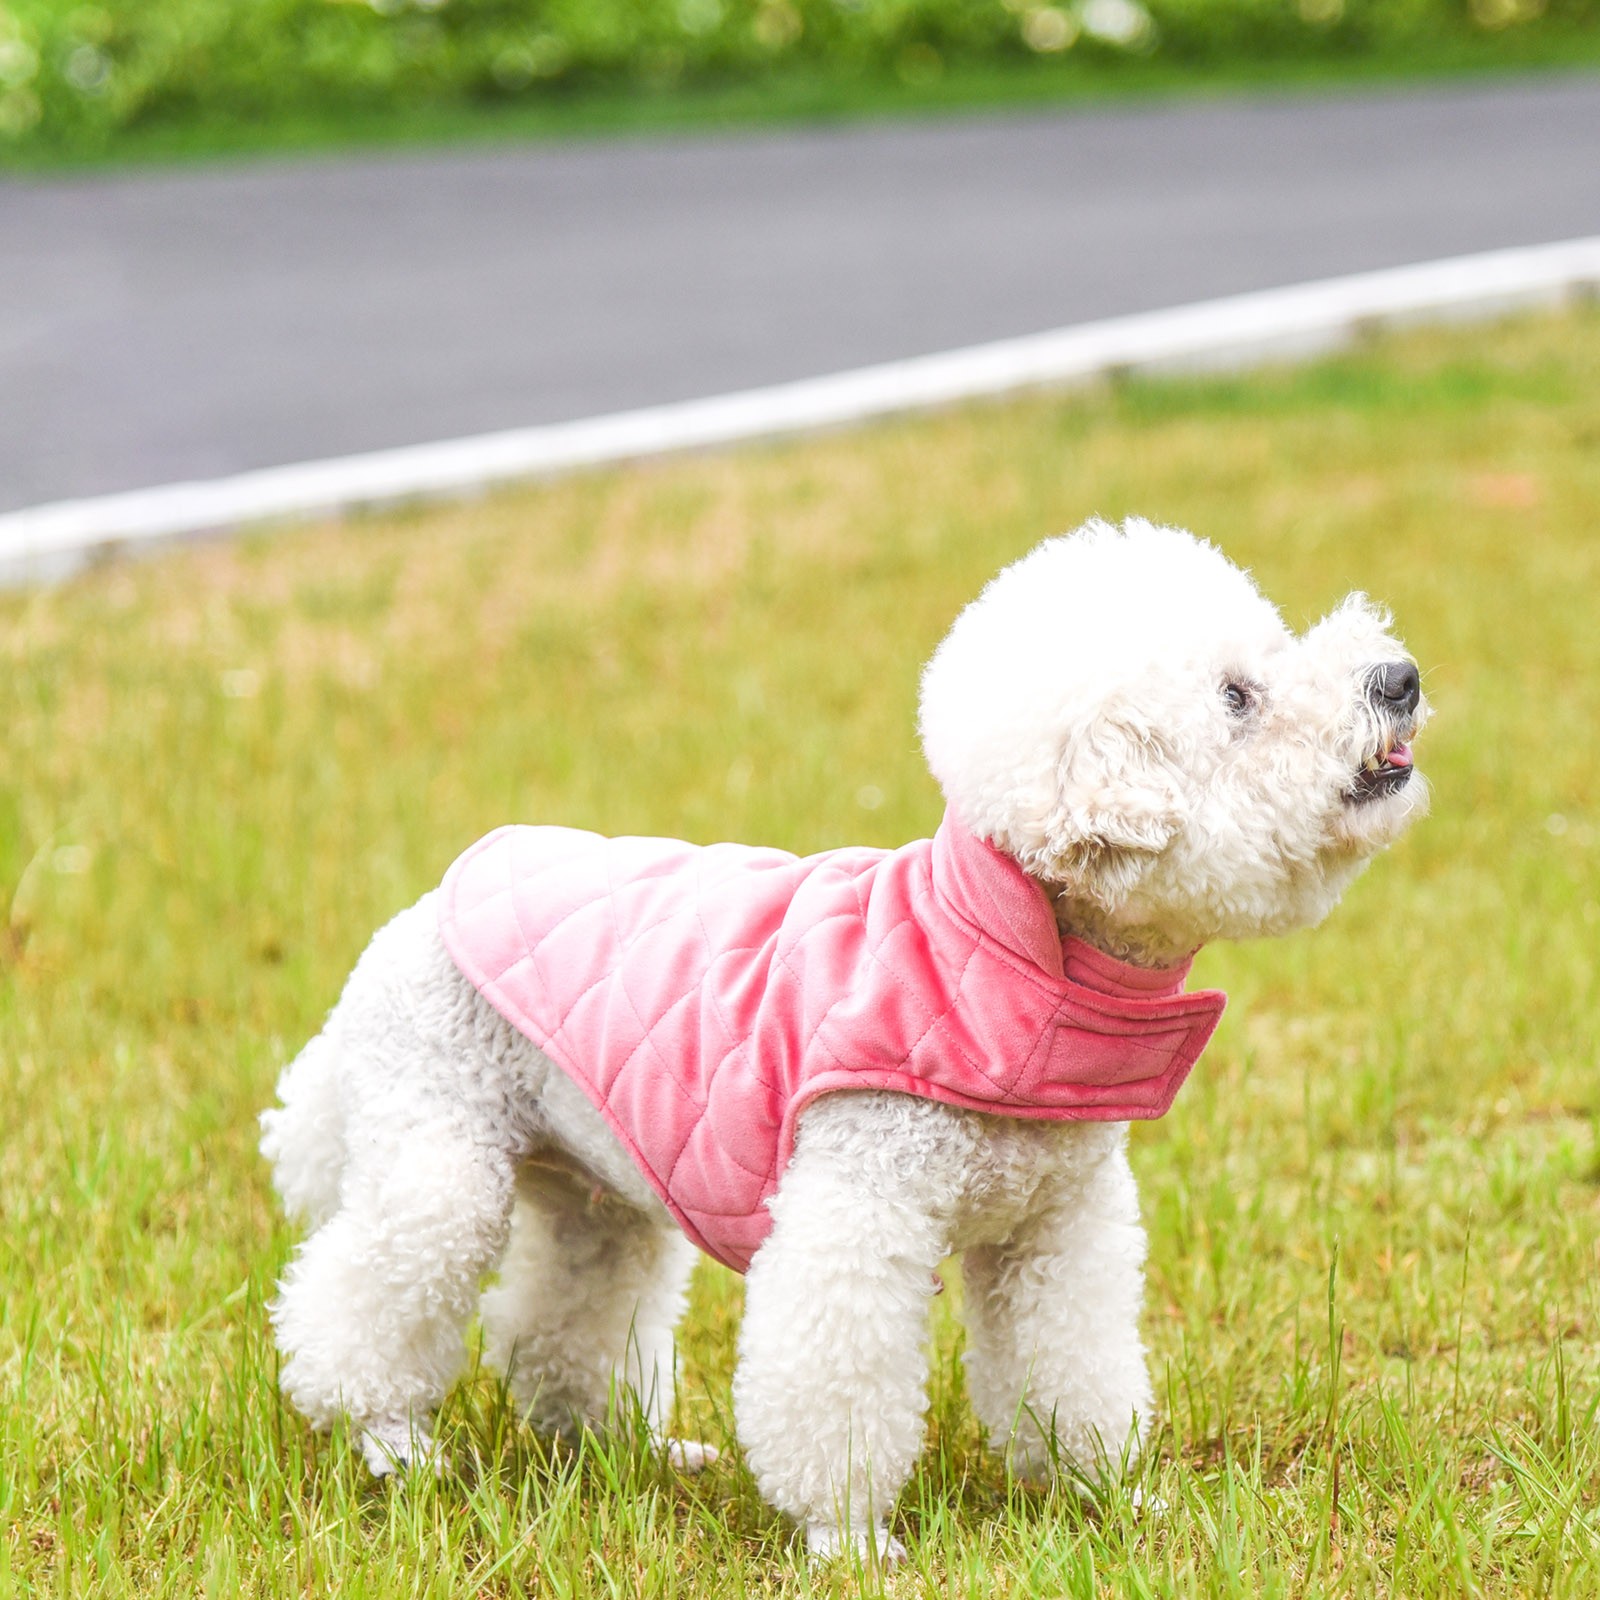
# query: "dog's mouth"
1385, 771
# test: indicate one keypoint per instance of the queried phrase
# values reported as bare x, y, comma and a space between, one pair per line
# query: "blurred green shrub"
75, 73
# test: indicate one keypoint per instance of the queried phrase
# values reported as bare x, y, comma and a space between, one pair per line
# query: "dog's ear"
1119, 803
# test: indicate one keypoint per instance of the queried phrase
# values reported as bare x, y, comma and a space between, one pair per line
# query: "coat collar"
988, 890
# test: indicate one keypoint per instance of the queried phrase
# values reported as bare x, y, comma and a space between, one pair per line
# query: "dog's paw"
691, 1455
389, 1447
825, 1543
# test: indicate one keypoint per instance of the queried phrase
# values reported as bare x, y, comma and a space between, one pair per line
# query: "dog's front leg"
830, 1390
1055, 1363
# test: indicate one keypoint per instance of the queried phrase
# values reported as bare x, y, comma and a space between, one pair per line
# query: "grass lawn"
1374, 1212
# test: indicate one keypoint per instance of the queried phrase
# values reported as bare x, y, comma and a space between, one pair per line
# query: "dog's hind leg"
303, 1137
1055, 1364
372, 1309
584, 1316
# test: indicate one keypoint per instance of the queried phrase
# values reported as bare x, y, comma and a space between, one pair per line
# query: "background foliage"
76, 74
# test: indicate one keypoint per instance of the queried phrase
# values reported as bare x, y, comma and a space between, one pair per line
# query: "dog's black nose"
1396, 686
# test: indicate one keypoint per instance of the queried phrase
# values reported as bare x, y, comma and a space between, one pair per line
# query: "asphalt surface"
199, 322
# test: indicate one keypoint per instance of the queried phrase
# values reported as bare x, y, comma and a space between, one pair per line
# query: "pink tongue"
1400, 756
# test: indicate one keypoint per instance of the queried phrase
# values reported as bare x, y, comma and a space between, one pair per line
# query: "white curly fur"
1078, 715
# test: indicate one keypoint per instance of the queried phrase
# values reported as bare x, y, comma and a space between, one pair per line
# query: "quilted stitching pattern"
703, 995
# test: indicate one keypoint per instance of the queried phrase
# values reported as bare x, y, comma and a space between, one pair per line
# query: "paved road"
201, 322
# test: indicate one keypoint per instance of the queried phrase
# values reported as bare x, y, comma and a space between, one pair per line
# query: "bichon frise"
582, 1057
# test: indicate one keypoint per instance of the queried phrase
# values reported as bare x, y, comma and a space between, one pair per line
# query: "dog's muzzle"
1395, 688
1394, 691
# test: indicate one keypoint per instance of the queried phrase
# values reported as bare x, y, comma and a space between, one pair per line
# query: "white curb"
50, 540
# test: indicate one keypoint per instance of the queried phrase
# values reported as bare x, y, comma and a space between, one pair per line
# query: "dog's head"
1123, 713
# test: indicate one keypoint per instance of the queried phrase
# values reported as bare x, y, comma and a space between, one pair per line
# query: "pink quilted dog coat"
701, 996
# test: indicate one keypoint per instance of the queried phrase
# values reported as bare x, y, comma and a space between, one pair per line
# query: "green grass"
792, 95
1374, 1213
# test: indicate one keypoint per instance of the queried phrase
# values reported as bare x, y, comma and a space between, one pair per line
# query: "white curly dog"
577, 1060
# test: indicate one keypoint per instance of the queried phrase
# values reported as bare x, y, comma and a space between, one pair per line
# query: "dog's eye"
1239, 697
